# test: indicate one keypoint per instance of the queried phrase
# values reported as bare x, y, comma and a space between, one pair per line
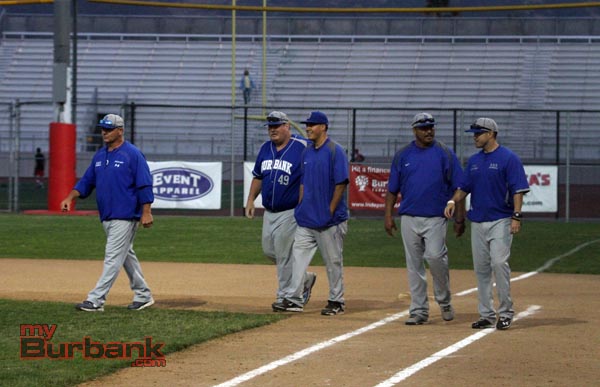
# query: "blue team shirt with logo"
425, 177
122, 181
493, 179
280, 173
322, 170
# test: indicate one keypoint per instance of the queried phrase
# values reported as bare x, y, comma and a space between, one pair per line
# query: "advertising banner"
186, 185
248, 167
543, 183
368, 187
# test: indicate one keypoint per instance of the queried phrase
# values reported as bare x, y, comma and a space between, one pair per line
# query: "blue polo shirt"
426, 178
493, 179
122, 181
280, 172
323, 168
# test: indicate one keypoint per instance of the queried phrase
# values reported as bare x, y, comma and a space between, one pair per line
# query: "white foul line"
317, 347
305, 352
545, 266
409, 371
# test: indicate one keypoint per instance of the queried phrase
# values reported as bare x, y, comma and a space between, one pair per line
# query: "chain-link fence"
567, 139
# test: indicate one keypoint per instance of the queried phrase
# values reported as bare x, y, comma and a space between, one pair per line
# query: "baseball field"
213, 290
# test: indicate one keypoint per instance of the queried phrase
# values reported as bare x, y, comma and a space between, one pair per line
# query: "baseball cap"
423, 119
111, 121
316, 117
482, 125
276, 118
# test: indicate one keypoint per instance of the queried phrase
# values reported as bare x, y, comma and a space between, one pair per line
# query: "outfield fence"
567, 139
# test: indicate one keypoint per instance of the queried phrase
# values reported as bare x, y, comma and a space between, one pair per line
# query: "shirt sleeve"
87, 183
143, 180
517, 179
394, 179
458, 176
340, 167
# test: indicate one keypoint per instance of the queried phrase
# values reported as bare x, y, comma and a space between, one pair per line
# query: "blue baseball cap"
316, 117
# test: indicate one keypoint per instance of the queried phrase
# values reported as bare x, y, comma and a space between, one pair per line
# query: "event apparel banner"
186, 185
248, 167
368, 188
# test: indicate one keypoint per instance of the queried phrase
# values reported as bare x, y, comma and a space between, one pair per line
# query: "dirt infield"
558, 345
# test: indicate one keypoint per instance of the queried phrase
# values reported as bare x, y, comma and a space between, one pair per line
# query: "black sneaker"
138, 305
88, 306
503, 323
333, 308
310, 282
482, 324
416, 319
286, 306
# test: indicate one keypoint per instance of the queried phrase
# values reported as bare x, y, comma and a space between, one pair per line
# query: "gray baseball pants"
119, 253
425, 240
330, 242
491, 242
277, 240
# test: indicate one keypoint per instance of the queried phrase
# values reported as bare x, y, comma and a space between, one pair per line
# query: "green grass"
177, 329
237, 240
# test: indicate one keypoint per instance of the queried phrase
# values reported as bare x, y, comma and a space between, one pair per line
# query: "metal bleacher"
407, 74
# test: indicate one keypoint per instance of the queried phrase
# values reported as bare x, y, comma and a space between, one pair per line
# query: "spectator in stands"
357, 156
38, 172
247, 86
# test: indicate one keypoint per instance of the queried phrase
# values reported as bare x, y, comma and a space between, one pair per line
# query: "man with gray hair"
276, 176
121, 176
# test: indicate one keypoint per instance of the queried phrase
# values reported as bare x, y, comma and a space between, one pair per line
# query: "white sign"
543, 185
186, 185
248, 167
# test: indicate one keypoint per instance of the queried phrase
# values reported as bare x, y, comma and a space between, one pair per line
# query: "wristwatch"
517, 216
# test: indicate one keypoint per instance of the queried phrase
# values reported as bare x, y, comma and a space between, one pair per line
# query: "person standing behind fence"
247, 86
121, 176
322, 214
276, 176
496, 180
38, 171
425, 173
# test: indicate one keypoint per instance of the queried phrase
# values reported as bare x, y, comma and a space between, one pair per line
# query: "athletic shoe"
416, 319
333, 308
89, 306
447, 313
138, 305
482, 324
503, 323
310, 282
286, 306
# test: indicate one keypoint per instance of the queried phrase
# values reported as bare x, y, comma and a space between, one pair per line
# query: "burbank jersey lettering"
277, 164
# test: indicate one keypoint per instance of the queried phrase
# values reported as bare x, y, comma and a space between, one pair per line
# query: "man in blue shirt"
276, 174
496, 180
322, 214
120, 174
425, 173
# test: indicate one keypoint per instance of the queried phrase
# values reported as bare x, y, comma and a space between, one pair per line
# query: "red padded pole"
61, 176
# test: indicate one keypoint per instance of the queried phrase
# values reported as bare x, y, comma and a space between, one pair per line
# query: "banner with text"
368, 188
186, 185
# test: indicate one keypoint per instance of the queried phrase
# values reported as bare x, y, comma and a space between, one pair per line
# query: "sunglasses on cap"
479, 127
425, 121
